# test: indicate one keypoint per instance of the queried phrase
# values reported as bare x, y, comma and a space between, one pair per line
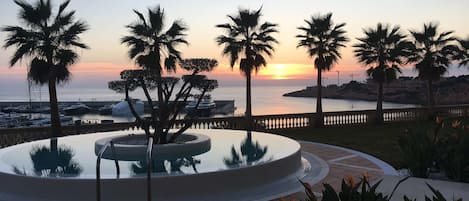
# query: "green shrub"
351, 191
454, 156
444, 146
419, 149
364, 191
437, 196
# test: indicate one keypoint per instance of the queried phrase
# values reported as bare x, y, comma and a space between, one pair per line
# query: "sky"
107, 20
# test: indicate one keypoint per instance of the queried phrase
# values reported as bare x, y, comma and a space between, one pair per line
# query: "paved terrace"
342, 163
349, 163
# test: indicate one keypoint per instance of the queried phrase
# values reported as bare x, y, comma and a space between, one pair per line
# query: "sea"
266, 99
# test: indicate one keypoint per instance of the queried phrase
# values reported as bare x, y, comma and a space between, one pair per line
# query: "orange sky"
107, 57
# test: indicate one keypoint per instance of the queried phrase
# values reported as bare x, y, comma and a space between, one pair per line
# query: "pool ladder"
98, 167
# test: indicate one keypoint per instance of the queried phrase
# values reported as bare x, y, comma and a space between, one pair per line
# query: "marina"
34, 114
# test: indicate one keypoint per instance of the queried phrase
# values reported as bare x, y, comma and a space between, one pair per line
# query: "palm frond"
322, 40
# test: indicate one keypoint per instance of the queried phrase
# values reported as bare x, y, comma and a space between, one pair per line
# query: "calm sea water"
265, 99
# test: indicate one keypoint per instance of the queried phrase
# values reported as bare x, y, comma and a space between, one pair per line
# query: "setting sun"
279, 71
285, 71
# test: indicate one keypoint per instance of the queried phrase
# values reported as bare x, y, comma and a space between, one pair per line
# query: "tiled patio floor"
342, 164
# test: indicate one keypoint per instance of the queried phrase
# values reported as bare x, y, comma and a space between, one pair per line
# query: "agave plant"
351, 191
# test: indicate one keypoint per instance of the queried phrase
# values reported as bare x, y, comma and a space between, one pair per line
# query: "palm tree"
464, 56
49, 41
322, 39
384, 50
246, 35
433, 55
152, 47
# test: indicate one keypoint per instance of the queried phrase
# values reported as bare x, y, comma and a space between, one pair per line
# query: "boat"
12, 120
42, 110
17, 109
105, 110
76, 109
205, 107
122, 108
45, 121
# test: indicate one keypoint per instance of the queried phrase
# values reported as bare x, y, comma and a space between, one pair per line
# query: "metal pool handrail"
149, 157
98, 167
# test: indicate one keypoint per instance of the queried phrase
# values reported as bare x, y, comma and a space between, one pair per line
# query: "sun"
279, 71
285, 71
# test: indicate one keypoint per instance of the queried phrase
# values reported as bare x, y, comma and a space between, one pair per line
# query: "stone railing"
261, 122
11, 136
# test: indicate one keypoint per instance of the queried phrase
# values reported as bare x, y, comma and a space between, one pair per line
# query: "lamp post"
351, 75
338, 77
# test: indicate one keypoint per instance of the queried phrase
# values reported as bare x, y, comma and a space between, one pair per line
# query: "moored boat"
76, 109
122, 108
205, 107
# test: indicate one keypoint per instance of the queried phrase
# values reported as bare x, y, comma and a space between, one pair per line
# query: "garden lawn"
377, 140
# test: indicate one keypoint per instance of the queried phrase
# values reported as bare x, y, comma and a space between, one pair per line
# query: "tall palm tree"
246, 35
152, 48
322, 39
433, 55
49, 41
384, 50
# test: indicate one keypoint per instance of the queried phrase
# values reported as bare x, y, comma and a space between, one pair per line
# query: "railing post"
311, 119
371, 117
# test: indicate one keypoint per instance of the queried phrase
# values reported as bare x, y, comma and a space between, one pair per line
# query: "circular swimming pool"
238, 166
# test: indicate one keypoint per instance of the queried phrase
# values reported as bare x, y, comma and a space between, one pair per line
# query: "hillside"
407, 90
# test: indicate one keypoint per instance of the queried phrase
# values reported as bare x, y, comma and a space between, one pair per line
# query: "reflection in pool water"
52, 162
265, 161
250, 153
172, 166
76, 156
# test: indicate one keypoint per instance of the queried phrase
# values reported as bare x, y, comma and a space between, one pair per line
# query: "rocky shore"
406, 90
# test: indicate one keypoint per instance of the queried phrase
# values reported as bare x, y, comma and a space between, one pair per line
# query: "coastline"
406, 90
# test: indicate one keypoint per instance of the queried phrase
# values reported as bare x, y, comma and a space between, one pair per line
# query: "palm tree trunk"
379, 105
248, 103
54, 109
319, 115
431, 99
159, 128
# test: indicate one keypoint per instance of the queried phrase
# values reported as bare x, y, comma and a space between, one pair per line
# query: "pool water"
76, 158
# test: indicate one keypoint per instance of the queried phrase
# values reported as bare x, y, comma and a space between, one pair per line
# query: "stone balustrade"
12, 136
